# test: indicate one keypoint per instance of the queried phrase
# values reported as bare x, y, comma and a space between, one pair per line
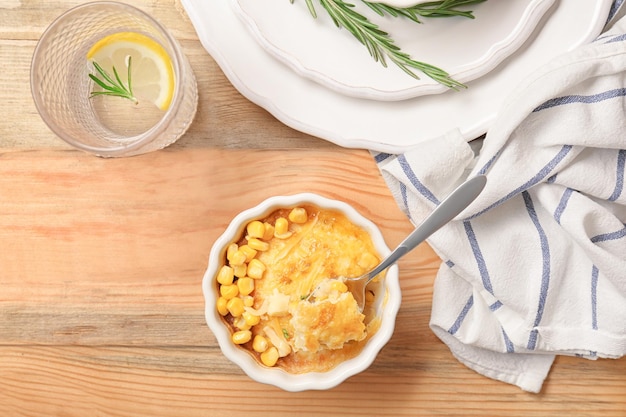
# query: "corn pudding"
281, 291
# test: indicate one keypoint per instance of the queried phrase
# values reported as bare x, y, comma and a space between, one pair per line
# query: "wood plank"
136, 381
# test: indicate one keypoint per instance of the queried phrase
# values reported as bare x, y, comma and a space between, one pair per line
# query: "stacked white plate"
318, 79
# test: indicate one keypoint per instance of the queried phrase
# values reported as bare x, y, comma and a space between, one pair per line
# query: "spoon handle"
452, 205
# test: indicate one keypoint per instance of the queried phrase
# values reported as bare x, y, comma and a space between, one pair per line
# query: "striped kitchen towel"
536, 266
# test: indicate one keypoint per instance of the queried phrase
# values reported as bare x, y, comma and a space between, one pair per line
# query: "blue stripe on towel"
619, 184
594, 301
480, 261
614, 9
594, 98
490, 162
405, 200
606, 39
507, 342
618, 38
459, 320
421, 188
609, 236
381, 156
562, 204
495, 305
545, 274
543, 173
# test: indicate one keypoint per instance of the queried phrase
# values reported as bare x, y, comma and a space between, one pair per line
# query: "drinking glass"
61, 86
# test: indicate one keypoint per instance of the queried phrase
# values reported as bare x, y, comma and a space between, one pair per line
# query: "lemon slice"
152, 73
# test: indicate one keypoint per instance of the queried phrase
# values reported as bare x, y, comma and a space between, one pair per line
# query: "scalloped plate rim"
398, 86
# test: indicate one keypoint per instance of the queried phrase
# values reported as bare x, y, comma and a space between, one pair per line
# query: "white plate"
315, 48
383, 126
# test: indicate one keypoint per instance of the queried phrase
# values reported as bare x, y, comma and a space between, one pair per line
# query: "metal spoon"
456, 201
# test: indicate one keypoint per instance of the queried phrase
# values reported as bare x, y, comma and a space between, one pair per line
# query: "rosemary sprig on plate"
379, 43
113, 85
441, 8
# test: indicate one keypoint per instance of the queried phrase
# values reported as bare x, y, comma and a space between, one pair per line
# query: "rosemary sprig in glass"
113, 85
379, 43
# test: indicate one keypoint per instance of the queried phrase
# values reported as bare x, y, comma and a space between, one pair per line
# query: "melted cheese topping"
327, 324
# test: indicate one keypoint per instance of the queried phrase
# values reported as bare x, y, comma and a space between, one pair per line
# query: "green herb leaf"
112, 85
444, 8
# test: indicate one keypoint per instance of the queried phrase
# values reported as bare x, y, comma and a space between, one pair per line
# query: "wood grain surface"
101, 261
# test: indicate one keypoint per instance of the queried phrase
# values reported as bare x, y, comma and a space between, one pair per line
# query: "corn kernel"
298, 215
339, 286
242, 336
260, 344
248, 251
235, 307
225, 275
229, 291
240, 270
237, 258
256, 269
251, 319
270, 356
241, 324
255, 229
269, 231
248, 301
221, 306
232, 248
245, 285
258, 244
281, 228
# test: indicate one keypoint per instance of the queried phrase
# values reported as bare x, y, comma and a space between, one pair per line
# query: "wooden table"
101, 311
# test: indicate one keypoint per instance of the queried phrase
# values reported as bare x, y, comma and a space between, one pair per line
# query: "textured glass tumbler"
61, 86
